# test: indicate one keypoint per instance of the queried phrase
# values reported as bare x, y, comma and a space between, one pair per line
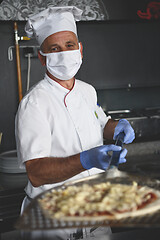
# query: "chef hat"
52, 20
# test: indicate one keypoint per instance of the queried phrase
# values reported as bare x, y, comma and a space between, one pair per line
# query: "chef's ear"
81, 49
42, 59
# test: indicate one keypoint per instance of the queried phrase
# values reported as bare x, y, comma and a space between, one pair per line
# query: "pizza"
100, 201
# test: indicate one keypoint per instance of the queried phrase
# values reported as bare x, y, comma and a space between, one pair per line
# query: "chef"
59, 127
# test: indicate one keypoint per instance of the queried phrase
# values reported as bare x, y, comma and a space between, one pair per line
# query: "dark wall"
117, 55
121, 59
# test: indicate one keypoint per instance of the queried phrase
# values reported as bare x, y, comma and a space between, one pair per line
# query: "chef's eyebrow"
71, 42
54, 45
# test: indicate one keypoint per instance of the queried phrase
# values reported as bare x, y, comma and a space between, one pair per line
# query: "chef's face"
58, 42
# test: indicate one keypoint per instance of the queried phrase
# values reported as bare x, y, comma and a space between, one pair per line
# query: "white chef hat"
52, 20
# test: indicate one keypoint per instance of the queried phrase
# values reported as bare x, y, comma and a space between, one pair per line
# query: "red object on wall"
152, 11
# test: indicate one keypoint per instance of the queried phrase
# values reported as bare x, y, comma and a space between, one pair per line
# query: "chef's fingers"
129, 136
111, 147
123, 154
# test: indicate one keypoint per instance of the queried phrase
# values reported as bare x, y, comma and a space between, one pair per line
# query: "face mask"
63, 65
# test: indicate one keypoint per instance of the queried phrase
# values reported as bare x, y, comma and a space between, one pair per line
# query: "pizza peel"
113, 171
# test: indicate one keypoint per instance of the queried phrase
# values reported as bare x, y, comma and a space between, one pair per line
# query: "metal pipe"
0, 137
18, 62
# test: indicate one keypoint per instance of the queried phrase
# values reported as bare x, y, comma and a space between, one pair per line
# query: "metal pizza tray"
34, 217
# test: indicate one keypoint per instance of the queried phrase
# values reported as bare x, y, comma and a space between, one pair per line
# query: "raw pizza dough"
100, 201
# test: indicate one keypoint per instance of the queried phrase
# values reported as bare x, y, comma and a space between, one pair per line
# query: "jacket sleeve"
33, 138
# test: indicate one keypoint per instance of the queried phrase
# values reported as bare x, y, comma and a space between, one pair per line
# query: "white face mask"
63, 65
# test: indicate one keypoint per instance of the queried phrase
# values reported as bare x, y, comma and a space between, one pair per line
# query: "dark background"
121, 60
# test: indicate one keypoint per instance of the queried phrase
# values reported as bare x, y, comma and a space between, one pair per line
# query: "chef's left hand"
124, 126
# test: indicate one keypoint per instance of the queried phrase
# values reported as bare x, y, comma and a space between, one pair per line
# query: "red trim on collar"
59, 82
68, 93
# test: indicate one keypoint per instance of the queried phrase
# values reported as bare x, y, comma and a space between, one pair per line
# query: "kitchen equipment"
34, 218
145, 122
9, 162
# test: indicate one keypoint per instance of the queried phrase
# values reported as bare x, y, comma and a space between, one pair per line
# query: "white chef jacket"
53, 121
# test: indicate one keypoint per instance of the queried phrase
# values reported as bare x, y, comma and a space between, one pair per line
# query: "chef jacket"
53, 121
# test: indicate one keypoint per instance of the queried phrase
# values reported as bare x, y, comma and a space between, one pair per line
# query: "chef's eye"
54, 49
70, 46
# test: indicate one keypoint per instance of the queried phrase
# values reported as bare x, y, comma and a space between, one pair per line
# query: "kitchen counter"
143, 159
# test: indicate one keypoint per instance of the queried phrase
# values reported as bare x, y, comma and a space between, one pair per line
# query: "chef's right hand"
98, 157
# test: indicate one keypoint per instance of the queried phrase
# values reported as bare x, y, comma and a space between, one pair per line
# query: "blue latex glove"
98, 157
124, 126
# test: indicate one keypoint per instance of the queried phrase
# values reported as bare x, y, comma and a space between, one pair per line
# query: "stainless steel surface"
145, 122
144, 165
35, 219
146, 127
150, 148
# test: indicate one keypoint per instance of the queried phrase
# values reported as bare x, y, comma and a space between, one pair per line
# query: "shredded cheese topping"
99, 199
